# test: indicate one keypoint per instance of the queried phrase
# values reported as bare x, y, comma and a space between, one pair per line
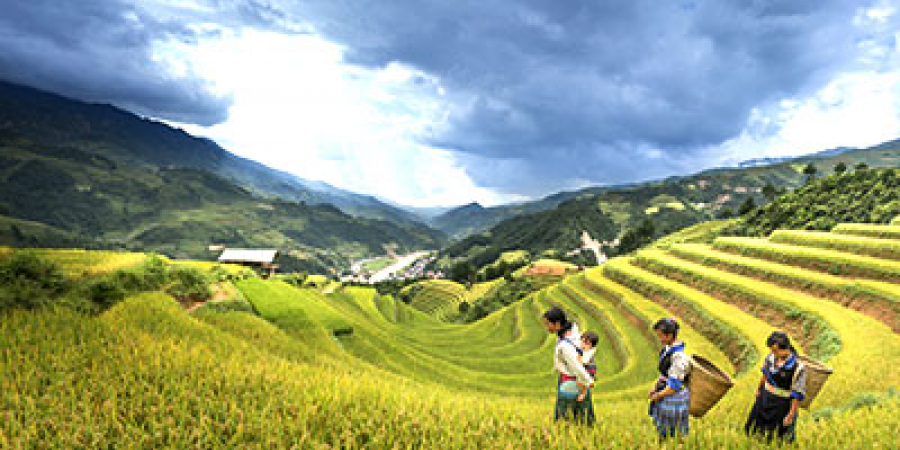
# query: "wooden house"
261, 259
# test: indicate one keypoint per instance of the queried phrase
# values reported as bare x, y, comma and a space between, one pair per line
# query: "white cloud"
859, 107
853, 110
298, 107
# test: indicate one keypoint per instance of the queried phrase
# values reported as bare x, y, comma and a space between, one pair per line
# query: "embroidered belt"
777, 391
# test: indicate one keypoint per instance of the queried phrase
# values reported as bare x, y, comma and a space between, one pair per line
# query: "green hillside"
30, 116
70, 194
123, 349
437, 298
400, 378
860, 196
474, 218
676, 203
557, 230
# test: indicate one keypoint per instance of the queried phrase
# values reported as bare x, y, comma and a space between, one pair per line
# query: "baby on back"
588, 350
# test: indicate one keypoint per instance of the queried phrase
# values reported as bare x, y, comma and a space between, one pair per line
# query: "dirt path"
218, 296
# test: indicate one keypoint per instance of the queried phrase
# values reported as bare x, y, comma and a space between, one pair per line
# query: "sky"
430, 102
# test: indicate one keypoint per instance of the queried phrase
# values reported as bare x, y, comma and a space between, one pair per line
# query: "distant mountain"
473, 217
550, 230
50, 119
420, 213
469, 219
756, 162
80, 175
669, 205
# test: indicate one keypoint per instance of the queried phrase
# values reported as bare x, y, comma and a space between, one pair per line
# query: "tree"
18, 235
462, 272
746, 207
840, 168
810, 172
725, 213
636, 238
769, 192
862, 166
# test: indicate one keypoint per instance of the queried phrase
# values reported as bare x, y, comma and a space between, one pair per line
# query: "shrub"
220, 274
188, 284
29, 281
106, 292
295, 279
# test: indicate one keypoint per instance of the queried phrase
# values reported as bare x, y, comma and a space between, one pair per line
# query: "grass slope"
146, 374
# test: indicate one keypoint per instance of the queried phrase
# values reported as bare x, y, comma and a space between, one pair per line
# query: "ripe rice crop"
353, 369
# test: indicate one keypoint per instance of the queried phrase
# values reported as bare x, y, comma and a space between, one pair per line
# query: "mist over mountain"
55, 120
85, 175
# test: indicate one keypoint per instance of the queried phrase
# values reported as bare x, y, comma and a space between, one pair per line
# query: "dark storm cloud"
540, 94
101, 51
595, 90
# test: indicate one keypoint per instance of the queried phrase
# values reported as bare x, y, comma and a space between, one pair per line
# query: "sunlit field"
352, 369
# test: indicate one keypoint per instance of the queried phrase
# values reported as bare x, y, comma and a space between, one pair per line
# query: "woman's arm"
792, 415
582, 392
662, 394
675, 378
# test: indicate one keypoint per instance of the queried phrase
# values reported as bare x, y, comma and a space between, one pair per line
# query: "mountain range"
547, 227
95, 176
109, 131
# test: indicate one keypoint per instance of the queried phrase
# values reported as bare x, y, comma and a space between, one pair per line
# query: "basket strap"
800, 367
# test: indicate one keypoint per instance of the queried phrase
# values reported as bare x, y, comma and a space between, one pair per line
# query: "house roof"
246, 255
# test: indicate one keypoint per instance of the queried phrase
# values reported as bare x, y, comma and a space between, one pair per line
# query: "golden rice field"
352, 369
438, 298
84, 263
80, 263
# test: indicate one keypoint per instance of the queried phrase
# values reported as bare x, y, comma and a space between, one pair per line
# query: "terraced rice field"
80, 263
438, 298
352, 369
85, 263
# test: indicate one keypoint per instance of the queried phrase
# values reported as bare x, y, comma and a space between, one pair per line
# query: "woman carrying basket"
780, 391
670, 399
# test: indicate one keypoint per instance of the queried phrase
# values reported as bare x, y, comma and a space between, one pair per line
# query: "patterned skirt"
581, 412
767, 417
670, 415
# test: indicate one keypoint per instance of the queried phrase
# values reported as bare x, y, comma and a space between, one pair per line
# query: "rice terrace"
511, 225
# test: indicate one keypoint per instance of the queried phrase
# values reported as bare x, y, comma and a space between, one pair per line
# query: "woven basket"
707, 385
816, 376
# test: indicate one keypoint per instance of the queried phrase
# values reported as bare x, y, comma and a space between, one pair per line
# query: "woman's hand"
788, 420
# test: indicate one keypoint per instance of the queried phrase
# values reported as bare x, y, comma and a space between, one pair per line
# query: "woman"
669, 398
567, 364
780, 391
